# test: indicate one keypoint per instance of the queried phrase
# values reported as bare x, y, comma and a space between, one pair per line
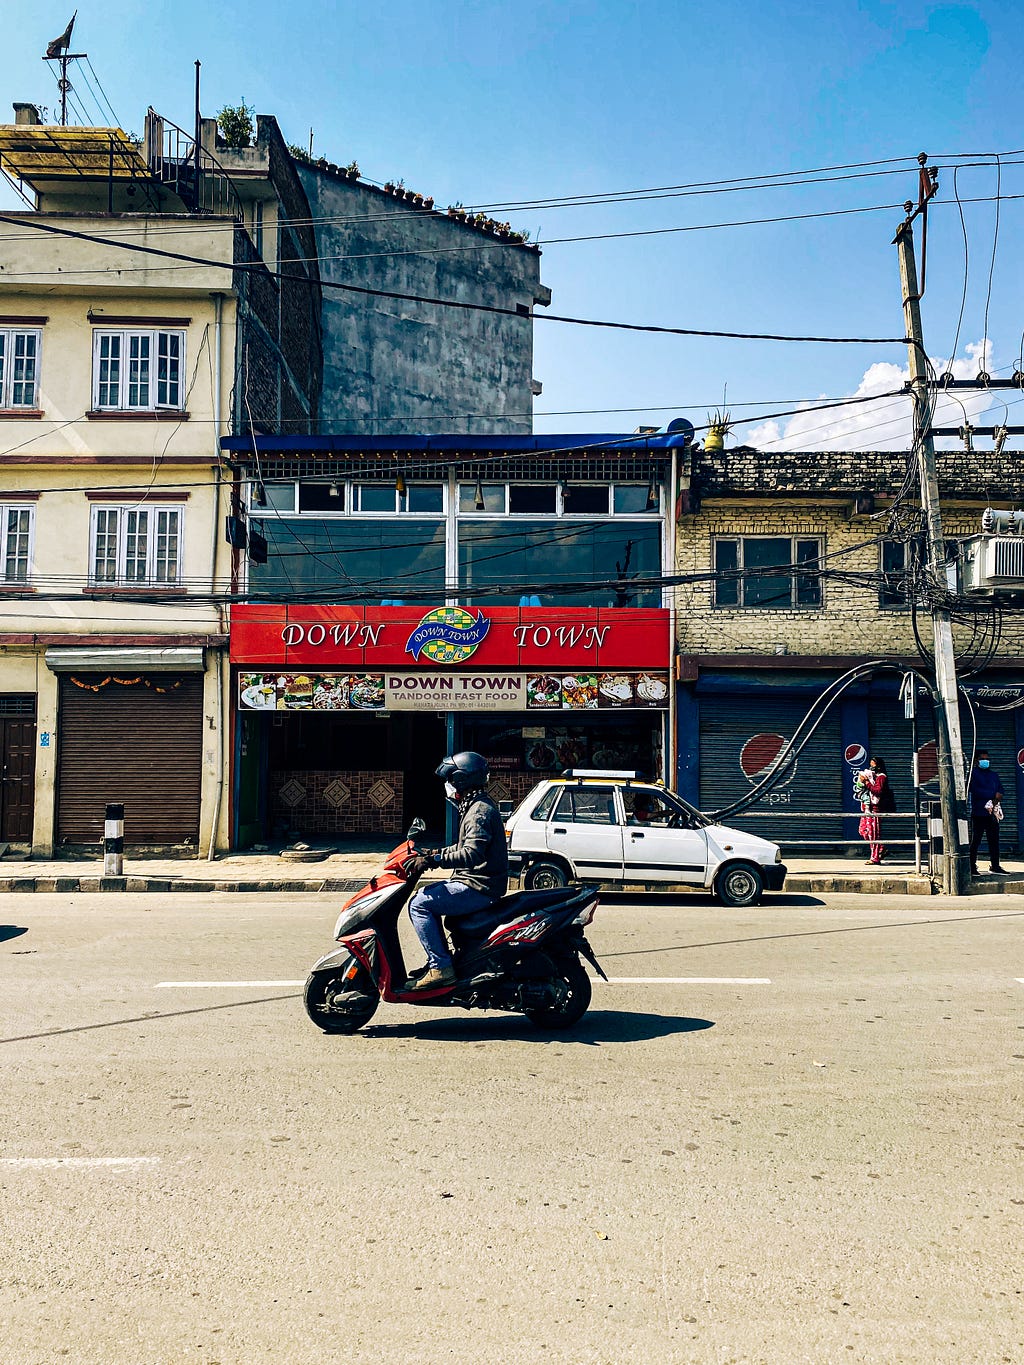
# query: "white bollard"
113, 842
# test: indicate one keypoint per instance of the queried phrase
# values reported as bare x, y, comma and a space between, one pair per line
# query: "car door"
669, 847
584, 828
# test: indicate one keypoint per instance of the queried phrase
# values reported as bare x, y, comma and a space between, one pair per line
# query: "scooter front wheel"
572, 1006
343, 1000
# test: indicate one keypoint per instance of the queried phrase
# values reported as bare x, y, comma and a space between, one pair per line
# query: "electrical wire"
365, 290
110, 107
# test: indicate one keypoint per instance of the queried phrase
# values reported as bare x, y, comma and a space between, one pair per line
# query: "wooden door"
17, 790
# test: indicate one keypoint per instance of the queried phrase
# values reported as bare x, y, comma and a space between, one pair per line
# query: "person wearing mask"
480, 857
986, 793
872, 789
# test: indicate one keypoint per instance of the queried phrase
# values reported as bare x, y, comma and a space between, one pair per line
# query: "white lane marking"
687, 980
612, 981
229, 985
79, 1161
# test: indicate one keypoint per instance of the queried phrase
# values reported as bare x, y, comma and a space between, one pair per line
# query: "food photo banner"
372, 639
398, 690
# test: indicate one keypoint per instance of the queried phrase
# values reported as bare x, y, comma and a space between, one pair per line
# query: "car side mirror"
417, 827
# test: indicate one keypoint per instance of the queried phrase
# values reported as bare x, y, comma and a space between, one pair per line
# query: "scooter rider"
480, 857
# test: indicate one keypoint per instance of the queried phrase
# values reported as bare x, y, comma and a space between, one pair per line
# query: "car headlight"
778, 855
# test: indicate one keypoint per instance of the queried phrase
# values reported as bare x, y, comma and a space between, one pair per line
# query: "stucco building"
140, 319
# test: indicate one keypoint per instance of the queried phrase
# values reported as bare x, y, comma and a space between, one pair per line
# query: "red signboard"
280, 636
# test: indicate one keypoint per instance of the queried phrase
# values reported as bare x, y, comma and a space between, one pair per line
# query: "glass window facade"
378, 559
486, 544
500, 565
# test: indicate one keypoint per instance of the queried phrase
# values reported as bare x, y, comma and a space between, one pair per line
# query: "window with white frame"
19, 367
769, 573
344, 497
136, 546
138, 371
563, 499
16, 527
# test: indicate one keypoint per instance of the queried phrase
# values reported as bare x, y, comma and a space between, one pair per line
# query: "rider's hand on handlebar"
418, 864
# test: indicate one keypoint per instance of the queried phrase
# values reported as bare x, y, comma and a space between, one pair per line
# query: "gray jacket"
480, 856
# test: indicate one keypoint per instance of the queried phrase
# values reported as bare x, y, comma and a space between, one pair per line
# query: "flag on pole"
62, 43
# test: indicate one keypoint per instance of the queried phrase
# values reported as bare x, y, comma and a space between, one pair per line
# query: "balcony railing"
189, 171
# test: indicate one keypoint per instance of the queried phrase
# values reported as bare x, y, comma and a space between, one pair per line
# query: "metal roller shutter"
736, 746
890, 737
130, 744
997, 734
889, 734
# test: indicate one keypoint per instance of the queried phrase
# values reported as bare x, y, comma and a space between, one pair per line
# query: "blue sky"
494, 102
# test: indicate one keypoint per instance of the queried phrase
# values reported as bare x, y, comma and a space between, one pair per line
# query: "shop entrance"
522, 750
332, 776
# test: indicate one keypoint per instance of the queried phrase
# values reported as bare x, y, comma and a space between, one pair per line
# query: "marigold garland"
125, 682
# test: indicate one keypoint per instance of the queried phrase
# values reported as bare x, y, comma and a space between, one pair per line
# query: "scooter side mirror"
417, 827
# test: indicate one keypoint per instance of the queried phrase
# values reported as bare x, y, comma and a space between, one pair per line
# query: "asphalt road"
813, 1153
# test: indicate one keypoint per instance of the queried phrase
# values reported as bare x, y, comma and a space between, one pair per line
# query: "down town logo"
448, 635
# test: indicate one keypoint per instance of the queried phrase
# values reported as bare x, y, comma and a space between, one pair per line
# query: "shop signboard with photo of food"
457, 692
310, 691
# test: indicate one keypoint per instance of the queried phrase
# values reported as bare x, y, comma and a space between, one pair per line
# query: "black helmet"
467, 772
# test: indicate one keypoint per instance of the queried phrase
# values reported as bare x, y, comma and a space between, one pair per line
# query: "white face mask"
450, 792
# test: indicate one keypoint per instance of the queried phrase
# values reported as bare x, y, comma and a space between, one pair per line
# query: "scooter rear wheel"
337, 1003
573, 1006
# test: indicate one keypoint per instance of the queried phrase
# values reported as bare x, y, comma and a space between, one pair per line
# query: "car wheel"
545, 877
739, 884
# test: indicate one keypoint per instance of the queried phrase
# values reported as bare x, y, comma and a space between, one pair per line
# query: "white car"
590, 825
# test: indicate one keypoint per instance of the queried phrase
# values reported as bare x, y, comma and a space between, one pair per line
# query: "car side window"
587, 806
542, 810
651, 806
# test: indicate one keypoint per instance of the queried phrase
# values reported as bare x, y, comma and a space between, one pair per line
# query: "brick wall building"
759, 641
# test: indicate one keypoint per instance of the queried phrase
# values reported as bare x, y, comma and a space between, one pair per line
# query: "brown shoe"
433, 979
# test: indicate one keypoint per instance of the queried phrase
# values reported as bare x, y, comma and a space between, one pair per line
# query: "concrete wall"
392, 366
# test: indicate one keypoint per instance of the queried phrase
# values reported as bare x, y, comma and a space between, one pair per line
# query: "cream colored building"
126, 326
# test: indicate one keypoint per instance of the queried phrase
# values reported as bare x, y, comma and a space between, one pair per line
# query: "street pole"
952, 786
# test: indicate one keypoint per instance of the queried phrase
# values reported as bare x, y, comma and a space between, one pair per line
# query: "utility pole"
952, 786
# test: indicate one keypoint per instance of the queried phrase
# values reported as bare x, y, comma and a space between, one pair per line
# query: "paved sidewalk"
347, 868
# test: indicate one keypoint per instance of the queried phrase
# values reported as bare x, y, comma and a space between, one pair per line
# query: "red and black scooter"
520, 954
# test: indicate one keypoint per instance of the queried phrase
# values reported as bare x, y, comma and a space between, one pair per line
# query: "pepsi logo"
855, 754
1020, 758
760, 756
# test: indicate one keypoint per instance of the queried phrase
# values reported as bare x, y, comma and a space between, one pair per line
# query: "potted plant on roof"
719, 426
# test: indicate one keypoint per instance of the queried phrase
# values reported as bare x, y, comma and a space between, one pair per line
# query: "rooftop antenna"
60, 51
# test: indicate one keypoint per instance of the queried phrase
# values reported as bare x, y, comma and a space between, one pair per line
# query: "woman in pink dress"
869, 788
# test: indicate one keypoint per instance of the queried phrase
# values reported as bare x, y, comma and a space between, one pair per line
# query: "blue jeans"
430, 904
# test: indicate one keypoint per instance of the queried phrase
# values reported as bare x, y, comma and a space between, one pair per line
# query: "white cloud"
886, 424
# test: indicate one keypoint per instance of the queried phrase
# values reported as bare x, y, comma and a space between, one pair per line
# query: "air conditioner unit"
992, 564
